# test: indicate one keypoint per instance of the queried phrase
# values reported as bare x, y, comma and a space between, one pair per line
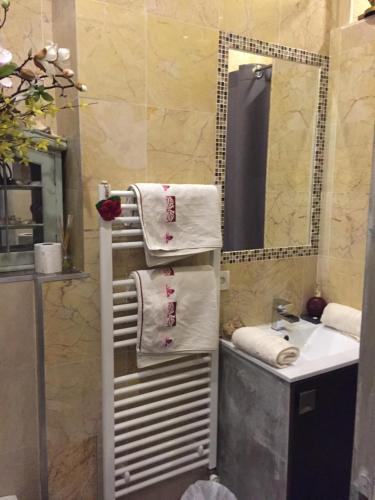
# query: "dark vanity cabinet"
281, 440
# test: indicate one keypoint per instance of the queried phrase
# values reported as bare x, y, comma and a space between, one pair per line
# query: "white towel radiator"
159, 422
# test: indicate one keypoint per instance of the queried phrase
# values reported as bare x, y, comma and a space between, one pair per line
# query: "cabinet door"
321, 436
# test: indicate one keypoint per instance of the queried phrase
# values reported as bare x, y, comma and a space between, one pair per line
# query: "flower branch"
25, 93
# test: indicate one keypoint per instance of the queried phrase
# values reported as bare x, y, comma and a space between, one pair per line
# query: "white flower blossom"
63, 54
51, 52
5, 56
6, 83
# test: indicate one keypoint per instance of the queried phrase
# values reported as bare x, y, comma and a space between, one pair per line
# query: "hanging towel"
178, 220
343, 318
271, 349
177, 313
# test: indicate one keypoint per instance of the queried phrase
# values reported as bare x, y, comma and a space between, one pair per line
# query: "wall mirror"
270, 147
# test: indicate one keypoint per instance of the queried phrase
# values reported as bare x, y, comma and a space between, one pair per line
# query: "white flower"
81, 87
69, 73
5, 56
63, 54
51, 52
6, 83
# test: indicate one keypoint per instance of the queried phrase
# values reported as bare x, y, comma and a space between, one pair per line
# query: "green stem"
4, 18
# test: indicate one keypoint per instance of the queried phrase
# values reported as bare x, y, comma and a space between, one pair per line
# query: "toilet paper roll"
48, 258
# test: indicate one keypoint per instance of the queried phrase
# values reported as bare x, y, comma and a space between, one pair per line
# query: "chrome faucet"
280, 314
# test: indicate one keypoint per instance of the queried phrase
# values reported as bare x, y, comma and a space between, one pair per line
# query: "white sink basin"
322, 349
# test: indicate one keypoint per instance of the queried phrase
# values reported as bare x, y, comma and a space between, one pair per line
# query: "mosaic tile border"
232, 41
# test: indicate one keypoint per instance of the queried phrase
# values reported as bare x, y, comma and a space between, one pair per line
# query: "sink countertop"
322, 349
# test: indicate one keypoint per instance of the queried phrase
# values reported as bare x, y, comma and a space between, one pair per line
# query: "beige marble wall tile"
254, 18
73, 472
307, 24
200, 12
73, 394
123, 262
73, 387
255, 284
180, 146
71, 332
23, 29
325, 223
112, 45
91, 239
359, 33
342, 280
181, 65
135, 5
310, 279
113, 139
349, 226
46, 20
287, 220
352, 170
348, 164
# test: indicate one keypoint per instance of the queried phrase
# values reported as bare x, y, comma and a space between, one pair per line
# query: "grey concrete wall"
253, 429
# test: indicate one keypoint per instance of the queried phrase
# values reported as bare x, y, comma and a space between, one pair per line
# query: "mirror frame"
229, 41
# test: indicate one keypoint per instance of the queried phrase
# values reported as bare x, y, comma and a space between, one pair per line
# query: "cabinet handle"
306, 402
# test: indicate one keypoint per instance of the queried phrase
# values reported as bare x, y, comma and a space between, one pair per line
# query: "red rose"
110, 208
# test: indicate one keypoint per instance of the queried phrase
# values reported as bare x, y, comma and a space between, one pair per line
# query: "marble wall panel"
73, 387
112, 51
180, 146
254, 285
199, 12
348, 164
181, 63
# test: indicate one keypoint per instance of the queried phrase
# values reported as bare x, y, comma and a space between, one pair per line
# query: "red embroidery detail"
165, 187
170, 214
168, 271
171, 314
169, 290
167, 341
168, 237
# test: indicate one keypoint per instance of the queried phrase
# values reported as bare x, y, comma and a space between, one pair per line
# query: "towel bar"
158, 422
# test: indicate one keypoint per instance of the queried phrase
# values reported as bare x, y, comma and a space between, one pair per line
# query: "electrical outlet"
224, 280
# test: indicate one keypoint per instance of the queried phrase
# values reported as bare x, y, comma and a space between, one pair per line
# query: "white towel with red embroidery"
177, 313
178, 220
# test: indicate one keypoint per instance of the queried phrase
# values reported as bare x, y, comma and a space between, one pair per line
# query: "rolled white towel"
268, 348
343, 318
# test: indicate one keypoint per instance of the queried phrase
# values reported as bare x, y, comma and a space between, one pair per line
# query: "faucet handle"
280, 304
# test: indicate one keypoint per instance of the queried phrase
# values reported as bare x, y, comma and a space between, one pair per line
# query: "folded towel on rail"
177, 313
268, 348
178, 220
343, 318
